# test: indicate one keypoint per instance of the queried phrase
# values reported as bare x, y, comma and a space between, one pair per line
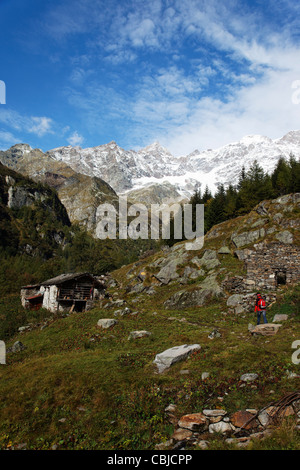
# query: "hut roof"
55, 281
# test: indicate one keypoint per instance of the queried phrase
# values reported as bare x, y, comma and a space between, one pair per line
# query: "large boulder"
234, 300
208, 261
169, 357
208, 290
169, 265
168, 272
246, 238
285, 237
266, 329
194, 298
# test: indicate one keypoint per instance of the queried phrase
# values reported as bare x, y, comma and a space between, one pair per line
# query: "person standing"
260, 308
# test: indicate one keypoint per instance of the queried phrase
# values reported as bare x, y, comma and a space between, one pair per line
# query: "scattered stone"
115, 303
202, 444
122, 312
138, 334
106, 323
240, 418
224, 250
252, 411
81, 408
24, 328
169, 357
249, 377
280, 317
292, 375
21, 446
164, 445
182, 434
194, 422
214, 413
264, 416
171, 408
221, 427
204, 375
214, 334
16, 347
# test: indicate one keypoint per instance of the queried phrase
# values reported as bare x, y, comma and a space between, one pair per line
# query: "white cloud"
75, 139
32, 124
41, 126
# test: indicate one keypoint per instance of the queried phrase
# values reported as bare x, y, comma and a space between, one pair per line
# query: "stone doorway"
280, 277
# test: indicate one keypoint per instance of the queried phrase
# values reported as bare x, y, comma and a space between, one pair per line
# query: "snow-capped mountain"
127, 170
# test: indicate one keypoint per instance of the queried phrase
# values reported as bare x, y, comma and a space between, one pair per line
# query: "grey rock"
204, 375
234, 300
192, 273
17, 347
122, 312
251, 377
168, 272
268, 329
221, 427
224, 250
214, 413
208, 261
214, 334
282, 199
197, 297
106, 323
138, 334
246, 238
278, 217
169, 357
285, 237
261, 209
280, 317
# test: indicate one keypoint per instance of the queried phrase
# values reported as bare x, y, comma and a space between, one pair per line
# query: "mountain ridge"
128, 170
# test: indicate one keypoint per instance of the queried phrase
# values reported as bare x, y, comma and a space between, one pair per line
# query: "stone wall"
50, 299
271, 264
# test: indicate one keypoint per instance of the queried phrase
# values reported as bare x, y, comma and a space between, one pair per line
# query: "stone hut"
272, 265
67, 292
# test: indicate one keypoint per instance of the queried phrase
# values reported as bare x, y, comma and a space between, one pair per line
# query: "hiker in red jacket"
260, 308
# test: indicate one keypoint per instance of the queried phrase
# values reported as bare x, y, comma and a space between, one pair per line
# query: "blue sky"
189, 74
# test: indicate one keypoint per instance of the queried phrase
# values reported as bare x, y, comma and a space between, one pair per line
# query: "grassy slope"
68, 391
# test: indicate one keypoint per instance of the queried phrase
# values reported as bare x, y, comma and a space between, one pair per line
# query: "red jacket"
258, 306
